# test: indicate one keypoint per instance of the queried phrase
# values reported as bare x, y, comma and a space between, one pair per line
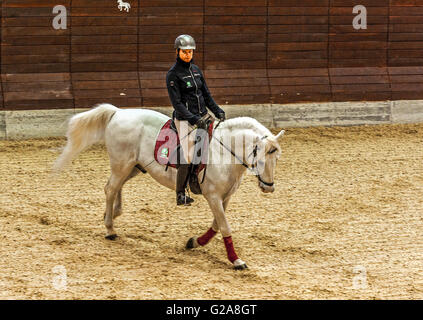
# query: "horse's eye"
272, 151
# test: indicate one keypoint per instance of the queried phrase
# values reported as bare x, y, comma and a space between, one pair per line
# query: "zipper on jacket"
196, 90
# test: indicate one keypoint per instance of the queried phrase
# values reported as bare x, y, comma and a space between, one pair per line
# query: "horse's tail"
84, 129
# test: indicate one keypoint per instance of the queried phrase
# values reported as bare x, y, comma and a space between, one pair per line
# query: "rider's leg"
187, 144
181, 183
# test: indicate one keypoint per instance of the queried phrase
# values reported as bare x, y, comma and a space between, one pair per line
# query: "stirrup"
182, 199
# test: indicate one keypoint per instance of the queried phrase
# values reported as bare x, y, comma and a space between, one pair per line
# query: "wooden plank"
361, 96
104, 76
35, 40
234, 3
120, 102
243, 82
234, 11
413, 70
303, 97
352, 80
357, 63
36, 86
300, 55
357, 54
366, 87
300, 37
407, 95
244, 64
298, 81
105, 57
38, 104
103, 30
103, 67
276, 63
407, 78
37, 95
299, 89
405, 62
306, 72
235, 73
241, 99
298, 20
36, 77
107, 94
32, 68
104, 39
293, 3
104, 21
34, 59
334, 72
110, 84
234, 20
352, 3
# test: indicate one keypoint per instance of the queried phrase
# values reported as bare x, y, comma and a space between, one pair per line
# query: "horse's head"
261, 148
266, 152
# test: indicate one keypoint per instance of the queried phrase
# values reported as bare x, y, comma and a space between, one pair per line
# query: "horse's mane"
247, 123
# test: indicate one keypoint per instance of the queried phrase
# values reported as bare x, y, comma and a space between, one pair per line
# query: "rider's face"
186, 55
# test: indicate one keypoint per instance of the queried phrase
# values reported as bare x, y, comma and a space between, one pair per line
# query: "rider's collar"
184, 64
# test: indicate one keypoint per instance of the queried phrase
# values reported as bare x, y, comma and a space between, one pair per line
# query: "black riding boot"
181, 183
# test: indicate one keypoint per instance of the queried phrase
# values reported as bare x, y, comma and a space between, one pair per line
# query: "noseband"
254, 166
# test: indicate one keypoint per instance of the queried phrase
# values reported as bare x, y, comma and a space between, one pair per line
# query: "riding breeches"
186, 135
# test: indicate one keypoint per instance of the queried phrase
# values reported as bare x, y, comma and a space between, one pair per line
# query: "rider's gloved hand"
221, 116
201, 124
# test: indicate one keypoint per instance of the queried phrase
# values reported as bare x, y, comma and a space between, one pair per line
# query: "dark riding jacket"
188, 92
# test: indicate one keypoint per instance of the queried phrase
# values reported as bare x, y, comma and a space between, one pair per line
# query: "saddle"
168, 151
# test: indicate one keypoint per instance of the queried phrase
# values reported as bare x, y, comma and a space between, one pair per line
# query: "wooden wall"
252, 51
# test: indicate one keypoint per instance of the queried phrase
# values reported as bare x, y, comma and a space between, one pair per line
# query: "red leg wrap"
205, 238
230, 249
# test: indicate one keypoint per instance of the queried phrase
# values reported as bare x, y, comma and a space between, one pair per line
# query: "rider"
190, 96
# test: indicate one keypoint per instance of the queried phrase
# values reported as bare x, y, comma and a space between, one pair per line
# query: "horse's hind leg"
117, 206
112, 188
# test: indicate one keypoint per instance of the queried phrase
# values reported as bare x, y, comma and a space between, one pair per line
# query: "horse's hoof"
111, 237
191, 244
240, 265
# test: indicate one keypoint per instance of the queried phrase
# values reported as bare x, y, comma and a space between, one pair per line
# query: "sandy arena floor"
345, 221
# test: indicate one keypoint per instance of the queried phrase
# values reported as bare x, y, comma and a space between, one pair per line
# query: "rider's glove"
221, 116
201, 124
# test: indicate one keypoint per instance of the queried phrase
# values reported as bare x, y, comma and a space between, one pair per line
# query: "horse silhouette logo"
123, 5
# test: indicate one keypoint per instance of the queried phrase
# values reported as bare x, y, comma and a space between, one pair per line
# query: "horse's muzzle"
266, 189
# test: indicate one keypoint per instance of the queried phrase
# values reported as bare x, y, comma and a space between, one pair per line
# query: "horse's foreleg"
218, 207
195, 242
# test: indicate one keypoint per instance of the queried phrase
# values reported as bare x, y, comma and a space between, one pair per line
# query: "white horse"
123, 5
130, 137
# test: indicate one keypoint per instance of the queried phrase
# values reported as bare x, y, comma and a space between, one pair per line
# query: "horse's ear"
279, 135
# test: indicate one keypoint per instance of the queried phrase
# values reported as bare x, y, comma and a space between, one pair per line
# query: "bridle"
254, 166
